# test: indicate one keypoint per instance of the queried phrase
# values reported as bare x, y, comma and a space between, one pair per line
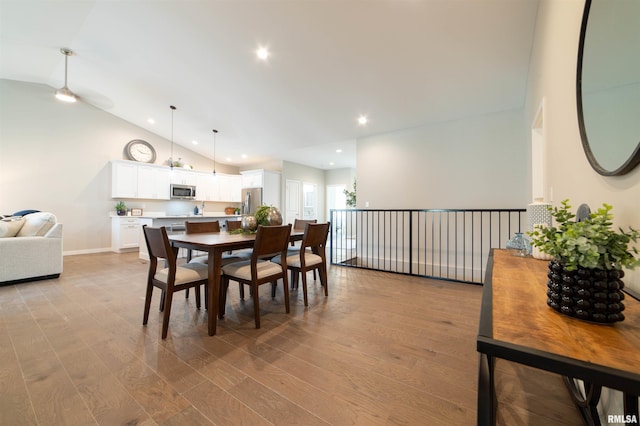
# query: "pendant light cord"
214, 151
171, 158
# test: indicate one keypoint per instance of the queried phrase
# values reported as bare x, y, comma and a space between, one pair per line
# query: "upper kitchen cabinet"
124, 179
133, 180
184, 176
230, 187
221, 187
153, 182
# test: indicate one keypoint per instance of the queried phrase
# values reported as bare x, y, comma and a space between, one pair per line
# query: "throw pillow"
37, 224
9, 227
25, 212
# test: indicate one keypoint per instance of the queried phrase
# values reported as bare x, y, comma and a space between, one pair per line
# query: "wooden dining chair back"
311, 256
270, 241
298, 225
200, 228
171, 278
232, 225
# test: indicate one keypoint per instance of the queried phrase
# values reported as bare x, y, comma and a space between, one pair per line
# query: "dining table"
215, 244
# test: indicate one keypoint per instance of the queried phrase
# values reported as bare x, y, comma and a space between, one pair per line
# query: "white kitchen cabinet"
124, 179
183, 176
125, 233
153, 182
252, 178
230, 188
206, 187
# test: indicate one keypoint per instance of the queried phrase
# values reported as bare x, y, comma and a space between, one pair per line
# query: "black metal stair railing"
445, 244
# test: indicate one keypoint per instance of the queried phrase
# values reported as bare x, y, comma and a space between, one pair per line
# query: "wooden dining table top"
223, 239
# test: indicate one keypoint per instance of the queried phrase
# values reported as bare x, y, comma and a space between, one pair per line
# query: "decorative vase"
249, 223
121, 212
274, 218
587, 294
518, 245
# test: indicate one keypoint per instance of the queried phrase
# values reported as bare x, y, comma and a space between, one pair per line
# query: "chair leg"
323, 280
304, 286
256, 305
167, 313
197, 291
222, 298
285, 289
274, 284
162, 297
147, 303
186, 294
241, 289
314, 275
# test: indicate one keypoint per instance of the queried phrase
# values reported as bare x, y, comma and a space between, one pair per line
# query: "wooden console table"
517, 325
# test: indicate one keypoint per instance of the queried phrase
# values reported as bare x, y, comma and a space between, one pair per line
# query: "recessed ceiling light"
362, 120
244, 155
331, 163
194, 142
262, 53
228, 159
338, 150
151, 121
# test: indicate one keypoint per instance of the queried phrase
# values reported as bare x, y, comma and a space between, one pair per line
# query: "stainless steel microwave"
183, 192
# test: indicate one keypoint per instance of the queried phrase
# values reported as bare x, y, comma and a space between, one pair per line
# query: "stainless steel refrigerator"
251, 199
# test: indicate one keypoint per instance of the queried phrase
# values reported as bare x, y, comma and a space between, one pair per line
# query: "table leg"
631, 406
486, 391
215, 258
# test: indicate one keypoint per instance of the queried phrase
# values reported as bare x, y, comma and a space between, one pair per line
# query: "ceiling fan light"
65, 95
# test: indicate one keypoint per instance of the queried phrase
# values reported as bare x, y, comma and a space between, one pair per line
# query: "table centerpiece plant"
264, 215
588, 260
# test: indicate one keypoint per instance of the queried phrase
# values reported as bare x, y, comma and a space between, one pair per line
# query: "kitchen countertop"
160, 215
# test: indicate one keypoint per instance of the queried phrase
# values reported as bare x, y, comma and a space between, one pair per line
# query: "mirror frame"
634, 158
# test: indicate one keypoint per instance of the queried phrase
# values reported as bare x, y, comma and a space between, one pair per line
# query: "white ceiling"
400, 63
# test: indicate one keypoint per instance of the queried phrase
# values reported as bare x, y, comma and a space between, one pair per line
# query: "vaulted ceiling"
399, 63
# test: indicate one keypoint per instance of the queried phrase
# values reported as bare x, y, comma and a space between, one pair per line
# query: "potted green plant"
588, 261
121, 208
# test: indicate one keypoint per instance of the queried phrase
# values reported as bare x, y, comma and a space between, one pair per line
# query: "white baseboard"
86, 251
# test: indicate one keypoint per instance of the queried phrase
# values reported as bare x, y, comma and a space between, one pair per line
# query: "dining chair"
310, 256
270, 241
171, 278
232, 225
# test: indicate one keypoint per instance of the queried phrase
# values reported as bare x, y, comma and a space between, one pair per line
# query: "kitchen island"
126, 231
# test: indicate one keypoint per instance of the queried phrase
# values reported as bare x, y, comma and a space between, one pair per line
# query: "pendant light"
171, 157
214, 151
64, 94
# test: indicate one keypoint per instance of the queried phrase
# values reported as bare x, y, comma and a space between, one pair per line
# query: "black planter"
588, 294
121, 212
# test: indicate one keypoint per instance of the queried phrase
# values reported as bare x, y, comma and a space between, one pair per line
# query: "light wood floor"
381, 349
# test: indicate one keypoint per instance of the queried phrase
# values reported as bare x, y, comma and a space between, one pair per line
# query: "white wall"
553, 76
478, 162
55, 157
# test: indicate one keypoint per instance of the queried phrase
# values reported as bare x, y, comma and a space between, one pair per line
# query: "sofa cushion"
25, 212
37, 224
10, 226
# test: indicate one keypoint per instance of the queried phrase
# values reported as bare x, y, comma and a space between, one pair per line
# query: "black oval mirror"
608, 85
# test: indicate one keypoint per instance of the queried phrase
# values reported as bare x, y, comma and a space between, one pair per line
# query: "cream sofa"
30, 248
